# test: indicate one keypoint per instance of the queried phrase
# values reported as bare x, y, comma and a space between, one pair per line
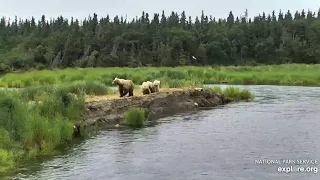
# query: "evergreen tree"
160, 40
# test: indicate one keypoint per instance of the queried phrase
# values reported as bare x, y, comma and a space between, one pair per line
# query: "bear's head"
144, 86
156, 83
116, 81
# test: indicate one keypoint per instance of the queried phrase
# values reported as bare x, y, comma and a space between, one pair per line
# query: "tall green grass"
134, 117
234, 93
287, 74
76, 87
29, 129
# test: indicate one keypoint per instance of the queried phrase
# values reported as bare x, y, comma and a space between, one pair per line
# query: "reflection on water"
221, 143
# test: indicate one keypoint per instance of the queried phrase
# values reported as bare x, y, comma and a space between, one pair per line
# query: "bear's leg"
121, 91
146, 91
152, 90
130, 92
125, 92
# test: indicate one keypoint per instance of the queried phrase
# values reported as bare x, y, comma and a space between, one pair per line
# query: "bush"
134, 117
233, 93
32, 129
6, 161
237, 94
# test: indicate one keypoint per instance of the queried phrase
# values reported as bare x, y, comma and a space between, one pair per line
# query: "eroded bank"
108, 112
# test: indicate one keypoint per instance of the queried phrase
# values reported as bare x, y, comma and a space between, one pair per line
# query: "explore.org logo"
298, 169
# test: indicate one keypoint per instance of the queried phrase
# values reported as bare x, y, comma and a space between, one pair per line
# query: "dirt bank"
110, 111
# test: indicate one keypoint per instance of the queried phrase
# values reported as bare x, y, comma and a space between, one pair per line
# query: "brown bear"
156, 84
147, 88
125, 86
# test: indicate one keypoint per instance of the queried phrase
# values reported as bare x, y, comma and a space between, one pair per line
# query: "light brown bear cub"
147, 88
156, 84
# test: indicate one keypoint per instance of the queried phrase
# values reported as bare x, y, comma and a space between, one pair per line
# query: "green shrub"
134, 117
237, 94
233, 93
31, 129
6, 160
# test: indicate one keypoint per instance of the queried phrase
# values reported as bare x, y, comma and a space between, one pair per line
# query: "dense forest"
160, 40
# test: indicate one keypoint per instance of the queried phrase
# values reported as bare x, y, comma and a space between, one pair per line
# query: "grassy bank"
32, 128
288, 74
37, 120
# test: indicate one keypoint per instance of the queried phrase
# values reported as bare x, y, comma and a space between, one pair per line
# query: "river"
224, 143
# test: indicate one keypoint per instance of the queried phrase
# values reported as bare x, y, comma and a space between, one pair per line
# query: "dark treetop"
160, 41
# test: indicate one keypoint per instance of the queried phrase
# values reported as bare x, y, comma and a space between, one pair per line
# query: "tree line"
174, 40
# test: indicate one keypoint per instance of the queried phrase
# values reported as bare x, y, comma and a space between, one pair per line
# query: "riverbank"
36, 125
109, 111
286, 74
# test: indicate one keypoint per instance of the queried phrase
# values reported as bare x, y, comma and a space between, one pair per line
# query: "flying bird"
194, 58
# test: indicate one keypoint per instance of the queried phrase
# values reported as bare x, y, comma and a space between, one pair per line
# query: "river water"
282, 123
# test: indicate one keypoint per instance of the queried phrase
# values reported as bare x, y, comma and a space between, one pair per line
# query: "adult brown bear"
125, 86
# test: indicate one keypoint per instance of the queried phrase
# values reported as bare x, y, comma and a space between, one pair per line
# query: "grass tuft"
134, 117
234, 93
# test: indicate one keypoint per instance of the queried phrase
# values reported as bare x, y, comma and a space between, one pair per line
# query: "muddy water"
222, 143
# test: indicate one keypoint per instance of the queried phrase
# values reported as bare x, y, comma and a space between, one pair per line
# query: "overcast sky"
82, 8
